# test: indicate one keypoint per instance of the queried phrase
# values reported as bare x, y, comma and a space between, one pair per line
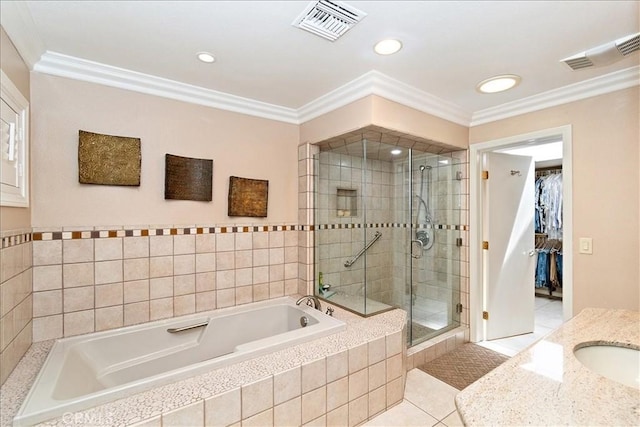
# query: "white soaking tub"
88, 370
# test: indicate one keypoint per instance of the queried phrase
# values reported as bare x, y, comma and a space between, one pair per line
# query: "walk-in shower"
387, 229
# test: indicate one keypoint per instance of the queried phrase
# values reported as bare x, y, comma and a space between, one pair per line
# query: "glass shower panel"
353, 238
383, 290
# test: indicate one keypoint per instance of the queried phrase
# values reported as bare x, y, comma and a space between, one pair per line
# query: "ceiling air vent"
605, 54
628, 45
328, 19
578, 62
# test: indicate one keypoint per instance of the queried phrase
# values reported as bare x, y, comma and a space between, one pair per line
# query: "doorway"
479, 216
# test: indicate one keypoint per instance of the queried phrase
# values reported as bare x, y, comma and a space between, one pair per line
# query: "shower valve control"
423, 237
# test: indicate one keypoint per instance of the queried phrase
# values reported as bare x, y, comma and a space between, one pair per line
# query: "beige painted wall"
388, 114
606, 192
394, 116
239, 145
18, 72
341, 120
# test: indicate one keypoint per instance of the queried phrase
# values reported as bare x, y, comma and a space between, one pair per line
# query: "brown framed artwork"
248, 197
186, 178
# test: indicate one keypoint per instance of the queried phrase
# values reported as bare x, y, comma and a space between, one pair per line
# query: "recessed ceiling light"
387, 47
395, 152
206, 57
498, 83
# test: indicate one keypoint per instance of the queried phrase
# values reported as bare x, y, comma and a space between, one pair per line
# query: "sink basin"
619, 364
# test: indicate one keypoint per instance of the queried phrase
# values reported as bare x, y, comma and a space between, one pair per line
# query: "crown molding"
377, 83
612, 82
370, 83
17, 21
94, 72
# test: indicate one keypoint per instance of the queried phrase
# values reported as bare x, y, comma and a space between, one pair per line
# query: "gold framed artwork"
248, 197
187, 178
108, 159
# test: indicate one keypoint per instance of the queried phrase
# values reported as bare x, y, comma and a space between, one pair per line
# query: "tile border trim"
19, 238
172, 231
339, 226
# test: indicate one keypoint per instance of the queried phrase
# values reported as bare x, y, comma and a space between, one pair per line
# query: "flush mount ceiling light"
396, 151
498, 83
387, 47
206, 57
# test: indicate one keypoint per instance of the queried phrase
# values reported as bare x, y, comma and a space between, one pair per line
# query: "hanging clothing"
548, 205
559, 267
538, 215
549, 265
542, 278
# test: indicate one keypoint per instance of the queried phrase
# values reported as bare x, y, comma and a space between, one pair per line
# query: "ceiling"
448, 46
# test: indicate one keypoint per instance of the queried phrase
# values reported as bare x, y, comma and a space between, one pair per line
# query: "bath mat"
464, 365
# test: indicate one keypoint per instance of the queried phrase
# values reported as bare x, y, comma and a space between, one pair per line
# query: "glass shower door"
433, 189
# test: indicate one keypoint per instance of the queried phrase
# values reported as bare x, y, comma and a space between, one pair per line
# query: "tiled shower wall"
306, 189
340, 238
93, 280
15, 299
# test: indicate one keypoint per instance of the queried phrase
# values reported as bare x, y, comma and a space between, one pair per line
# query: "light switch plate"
586, 245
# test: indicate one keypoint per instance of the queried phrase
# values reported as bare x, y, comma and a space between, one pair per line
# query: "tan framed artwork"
108, 159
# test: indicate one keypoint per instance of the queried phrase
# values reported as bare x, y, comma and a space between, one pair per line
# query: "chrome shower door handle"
419, 242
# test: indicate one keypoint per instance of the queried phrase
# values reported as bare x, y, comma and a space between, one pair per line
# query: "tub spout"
312, 301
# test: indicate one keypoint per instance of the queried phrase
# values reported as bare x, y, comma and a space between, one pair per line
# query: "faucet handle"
329, 311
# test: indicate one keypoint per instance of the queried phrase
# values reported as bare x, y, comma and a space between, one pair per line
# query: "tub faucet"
312, 301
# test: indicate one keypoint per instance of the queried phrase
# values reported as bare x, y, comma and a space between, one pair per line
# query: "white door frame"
475, 219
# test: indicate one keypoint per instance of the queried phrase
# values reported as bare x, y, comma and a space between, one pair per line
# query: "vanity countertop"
546, 385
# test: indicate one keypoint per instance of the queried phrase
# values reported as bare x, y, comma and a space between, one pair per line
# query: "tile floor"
548, 314
427, 402
430, 402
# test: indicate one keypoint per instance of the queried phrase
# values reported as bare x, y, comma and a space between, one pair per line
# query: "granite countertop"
546, 385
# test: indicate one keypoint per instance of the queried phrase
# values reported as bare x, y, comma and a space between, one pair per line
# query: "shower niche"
387, 216
347, 202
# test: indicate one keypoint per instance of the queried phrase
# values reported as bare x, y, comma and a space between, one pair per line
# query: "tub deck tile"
16, 387
171, 397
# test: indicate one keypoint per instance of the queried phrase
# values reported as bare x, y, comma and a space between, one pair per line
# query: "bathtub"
89, 370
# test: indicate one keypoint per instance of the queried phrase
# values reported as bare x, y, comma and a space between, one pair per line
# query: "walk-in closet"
548, 232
